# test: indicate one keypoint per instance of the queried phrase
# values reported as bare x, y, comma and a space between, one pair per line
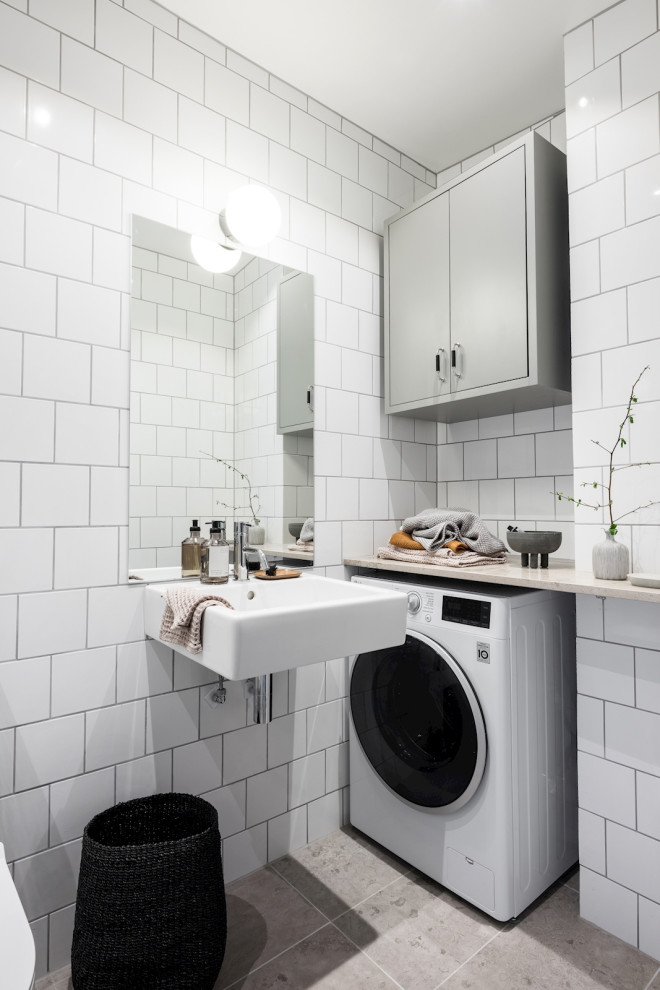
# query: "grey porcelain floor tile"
265, 916
552, 948
417, 931
340, 870
59, 980
325, 960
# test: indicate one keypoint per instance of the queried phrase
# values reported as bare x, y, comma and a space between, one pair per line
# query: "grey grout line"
470, 958
239, 981
652, 979
363, 953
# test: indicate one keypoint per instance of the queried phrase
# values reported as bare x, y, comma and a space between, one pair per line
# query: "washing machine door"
419, 722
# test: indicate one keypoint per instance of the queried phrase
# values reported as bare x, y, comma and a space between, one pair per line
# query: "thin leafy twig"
251, 497
610, 451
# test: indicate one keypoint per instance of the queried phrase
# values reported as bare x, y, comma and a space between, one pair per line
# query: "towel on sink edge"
182, 618
435, 527
443, 556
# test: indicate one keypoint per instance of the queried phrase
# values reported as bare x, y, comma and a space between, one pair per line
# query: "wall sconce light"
213, 257
252, 216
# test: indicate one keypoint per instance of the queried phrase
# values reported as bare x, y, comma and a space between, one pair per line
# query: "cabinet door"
489, 275
295, 353
418, 303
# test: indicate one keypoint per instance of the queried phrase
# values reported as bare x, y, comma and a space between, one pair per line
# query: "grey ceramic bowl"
531, 543
295, 529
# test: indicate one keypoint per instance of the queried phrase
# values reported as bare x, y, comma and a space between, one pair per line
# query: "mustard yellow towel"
405, 541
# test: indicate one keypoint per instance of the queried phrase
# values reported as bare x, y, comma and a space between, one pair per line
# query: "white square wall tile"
8, 626
608, 905
245, 852
592, 98
172, 719
48, 751
48, 881
54, 622
607, 789
114, 735
6, 762
25, 692
31, 436
630, 137
591, 725
229, 802
287, 738
606, 670
86, 557
640, 72
74, 802
597, 209
306, 779
287, 832
266, 795
632, 738
633, 859
24, 823
124, 37
631, 622
244, 753
197, 767
86, 435
324, 816
60, 123
56, 369
143, 669
578, 52
515, 456
591, 841
83, 680
648, 804
148, 775
325, 726
60, 935
115, 615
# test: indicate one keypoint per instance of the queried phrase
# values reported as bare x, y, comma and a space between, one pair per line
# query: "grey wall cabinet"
295, 354
476, 291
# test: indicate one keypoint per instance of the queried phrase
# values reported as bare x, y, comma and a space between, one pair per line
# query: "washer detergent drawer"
469, 879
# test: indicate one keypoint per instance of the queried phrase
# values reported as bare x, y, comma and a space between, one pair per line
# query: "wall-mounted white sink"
277, 625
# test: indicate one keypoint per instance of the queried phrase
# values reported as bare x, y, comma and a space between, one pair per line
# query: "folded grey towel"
307, 532
434, 527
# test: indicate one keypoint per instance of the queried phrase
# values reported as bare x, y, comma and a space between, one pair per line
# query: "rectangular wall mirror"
205, 378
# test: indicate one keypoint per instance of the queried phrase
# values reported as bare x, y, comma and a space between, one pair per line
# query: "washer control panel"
466, 611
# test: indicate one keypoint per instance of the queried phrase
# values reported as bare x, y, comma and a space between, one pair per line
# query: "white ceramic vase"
256, 536
610, 559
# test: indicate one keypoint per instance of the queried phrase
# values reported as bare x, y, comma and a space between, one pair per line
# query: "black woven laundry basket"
150, 913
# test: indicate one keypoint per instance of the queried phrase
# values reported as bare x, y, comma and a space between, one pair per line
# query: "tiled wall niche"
613, 127
112, 110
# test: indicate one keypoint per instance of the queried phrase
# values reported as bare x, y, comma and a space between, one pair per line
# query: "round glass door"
419, 722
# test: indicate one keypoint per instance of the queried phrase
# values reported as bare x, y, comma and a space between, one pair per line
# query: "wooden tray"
281, 575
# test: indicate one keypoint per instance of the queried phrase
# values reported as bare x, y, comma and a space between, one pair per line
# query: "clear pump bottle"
191, 551
215, 556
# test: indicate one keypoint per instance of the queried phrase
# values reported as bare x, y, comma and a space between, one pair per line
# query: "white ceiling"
437, 79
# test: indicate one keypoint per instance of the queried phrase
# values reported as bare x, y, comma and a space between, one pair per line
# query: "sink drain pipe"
262, 697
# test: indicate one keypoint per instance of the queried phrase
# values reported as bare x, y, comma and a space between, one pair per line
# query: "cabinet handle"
310, 398
457, 360
438, 363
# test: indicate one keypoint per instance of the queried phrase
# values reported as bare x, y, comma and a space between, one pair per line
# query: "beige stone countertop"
559, 576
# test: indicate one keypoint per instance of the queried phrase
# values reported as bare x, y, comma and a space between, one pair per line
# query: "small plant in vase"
611, 559
257, 534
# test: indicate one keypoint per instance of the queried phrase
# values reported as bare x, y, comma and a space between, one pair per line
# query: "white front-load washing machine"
463, 740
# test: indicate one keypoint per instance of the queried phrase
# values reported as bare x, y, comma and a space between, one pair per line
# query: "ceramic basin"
279, 625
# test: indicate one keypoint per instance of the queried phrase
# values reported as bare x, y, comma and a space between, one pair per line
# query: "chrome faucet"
241, 549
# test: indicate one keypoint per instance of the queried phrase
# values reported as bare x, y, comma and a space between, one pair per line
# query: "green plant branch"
252, 497
612, 468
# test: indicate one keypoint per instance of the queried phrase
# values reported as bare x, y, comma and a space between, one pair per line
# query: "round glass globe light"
253, 215
213, 257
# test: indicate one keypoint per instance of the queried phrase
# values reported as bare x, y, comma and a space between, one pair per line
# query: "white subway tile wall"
109, 110
614, 162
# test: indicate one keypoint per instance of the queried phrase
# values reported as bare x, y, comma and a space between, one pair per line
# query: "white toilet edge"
17, 948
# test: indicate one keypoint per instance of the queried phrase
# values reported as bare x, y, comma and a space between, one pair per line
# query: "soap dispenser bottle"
215, 556
191, 551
